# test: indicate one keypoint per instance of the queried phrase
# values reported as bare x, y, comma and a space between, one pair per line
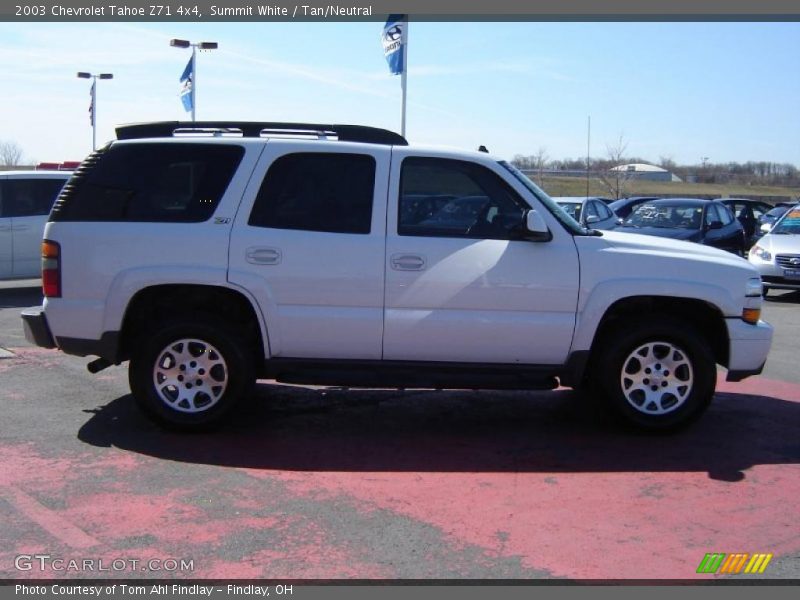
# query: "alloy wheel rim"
190, 375
657, 378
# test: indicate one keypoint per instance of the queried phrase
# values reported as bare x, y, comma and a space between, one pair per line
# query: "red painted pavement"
568, 518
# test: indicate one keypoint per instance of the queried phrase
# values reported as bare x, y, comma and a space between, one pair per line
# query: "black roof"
344, 133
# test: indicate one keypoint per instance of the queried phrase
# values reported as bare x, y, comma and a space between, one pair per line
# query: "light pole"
93, 105
192, 76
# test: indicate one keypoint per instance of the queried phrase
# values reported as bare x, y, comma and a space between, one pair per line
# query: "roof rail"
344, 133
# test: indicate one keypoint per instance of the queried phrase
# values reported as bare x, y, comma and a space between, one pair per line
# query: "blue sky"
727, 91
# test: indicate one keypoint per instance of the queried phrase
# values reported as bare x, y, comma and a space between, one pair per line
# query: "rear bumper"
37, 331
749, 346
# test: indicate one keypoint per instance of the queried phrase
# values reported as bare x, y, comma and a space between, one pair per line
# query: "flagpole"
404, 78
194, 81
94, 114
588, 151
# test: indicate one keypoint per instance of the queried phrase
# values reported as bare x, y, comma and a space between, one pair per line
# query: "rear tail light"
51, 269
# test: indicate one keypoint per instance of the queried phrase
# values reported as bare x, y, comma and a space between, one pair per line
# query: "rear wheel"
190, 374
658, 374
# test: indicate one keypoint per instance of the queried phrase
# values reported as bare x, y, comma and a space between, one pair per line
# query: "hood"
622, 240
666, 232
781, 243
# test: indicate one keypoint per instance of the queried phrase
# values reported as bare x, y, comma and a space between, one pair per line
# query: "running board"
403, 374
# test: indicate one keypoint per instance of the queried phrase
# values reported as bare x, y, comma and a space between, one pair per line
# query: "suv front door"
460, 285
308, 242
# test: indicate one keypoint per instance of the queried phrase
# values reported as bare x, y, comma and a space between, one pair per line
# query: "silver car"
777, 254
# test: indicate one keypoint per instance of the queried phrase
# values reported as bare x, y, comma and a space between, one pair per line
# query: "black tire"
662, 400
166, 349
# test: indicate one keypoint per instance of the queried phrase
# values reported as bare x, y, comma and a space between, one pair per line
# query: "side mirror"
591, 219
765, 227
714, 225
535, 227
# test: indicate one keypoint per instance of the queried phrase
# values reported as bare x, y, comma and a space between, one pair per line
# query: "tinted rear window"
155, 182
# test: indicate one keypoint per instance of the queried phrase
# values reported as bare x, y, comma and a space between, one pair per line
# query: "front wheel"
658, 374
190, 374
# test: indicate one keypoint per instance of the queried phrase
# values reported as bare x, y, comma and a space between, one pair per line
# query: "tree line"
747, 173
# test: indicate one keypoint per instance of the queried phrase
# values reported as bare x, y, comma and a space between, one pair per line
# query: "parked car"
748, 212
777, 254
590, 212
703, 221
26, 198
624, 206
768, 219
286, 252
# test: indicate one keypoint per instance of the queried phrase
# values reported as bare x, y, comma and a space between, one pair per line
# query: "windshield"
566, 220
573, 209
789, 225
667, 217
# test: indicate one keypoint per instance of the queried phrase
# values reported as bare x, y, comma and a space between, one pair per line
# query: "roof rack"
344, 133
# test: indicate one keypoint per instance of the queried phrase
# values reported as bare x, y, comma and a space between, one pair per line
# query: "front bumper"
780, 283
749, 346
37, 331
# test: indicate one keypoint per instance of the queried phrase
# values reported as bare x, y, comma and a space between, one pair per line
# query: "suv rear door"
308, 242
459, 288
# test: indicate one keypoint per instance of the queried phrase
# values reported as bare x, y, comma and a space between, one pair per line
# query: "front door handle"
408, 262
263, 256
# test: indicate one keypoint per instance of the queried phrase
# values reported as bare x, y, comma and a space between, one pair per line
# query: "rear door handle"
263, 256
408, 262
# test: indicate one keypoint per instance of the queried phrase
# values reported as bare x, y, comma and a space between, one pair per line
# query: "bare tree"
540, 162
10, 154
614, 177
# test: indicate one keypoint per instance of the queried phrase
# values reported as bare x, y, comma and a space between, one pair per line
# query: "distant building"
647, 172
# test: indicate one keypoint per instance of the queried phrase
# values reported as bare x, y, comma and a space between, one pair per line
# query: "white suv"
25, 201
213, 253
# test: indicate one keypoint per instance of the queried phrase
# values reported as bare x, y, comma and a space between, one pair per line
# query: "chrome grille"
786, 261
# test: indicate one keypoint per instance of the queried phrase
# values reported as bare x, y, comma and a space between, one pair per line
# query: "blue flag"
393, 40
186, 86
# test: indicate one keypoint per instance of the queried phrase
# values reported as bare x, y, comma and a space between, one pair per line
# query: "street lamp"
192, 74
93, 105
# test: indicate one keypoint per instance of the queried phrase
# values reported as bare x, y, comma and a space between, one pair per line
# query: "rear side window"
28, 197
150, 182
316, 191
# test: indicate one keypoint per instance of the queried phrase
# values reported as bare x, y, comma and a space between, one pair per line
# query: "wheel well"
162, 302
706, 319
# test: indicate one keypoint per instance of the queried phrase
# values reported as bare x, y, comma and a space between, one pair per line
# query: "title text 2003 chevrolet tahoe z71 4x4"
341, 255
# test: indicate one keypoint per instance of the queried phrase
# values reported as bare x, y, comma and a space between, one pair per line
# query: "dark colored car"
748, 212
591, 212
771, 217
706, 222
624, 206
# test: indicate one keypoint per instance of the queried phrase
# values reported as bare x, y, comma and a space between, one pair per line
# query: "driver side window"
452, 198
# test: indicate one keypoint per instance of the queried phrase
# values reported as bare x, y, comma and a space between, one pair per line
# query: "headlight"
753, 288
760, 253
